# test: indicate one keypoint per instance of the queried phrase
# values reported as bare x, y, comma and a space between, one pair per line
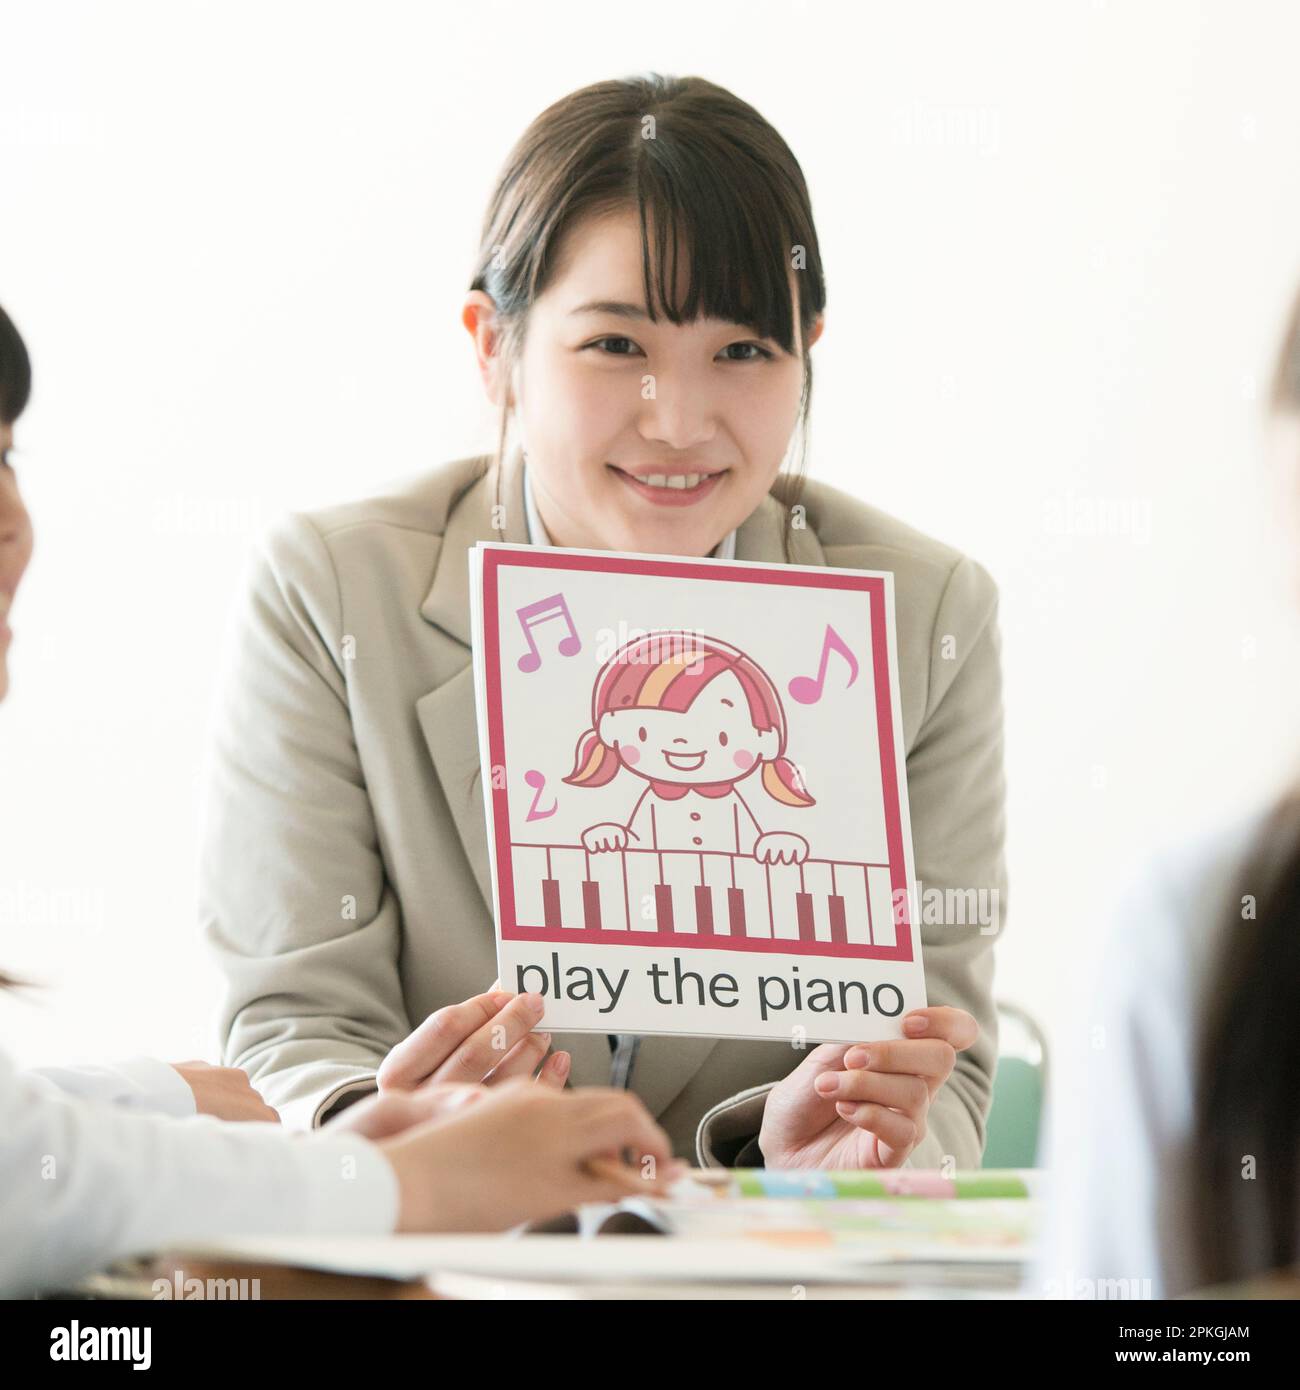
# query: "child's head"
15, 524
680, 708
673, 196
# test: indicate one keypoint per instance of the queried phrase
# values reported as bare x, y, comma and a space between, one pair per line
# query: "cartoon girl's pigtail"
594, 764
783, 782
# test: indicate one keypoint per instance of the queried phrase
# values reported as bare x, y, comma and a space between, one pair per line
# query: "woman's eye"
600, 341
641, 735
722, 739
761, 351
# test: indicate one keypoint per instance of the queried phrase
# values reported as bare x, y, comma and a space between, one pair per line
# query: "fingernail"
827, 1083
916, 1025
534, 1002
857, 1057
499, 997
562, 1063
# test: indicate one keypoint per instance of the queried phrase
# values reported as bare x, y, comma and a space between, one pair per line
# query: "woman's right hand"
521, 1154
487, 1039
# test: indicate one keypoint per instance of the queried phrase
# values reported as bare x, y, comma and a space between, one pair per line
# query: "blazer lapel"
446, 713
449, 724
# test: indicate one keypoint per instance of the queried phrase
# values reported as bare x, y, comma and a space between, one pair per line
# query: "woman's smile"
671, 489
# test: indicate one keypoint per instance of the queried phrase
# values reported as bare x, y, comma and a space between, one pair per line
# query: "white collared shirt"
84, 1182
724, 550
140, 1084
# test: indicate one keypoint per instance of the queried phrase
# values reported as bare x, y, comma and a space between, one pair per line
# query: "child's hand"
527, 1153
225, 1092
780, 847
864, 1105
606, 835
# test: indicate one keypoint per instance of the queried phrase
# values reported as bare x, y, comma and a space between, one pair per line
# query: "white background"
1059, 239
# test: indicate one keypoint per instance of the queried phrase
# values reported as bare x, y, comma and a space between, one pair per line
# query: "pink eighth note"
808, 689
537, 780
531, 614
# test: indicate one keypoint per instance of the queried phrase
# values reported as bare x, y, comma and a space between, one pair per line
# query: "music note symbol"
531, 614
807, 689
537, 780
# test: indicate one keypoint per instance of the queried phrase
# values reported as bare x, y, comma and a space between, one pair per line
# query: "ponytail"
594, 763
783, 782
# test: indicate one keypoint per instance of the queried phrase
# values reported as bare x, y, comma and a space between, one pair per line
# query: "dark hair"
15, 372
706, 172
15, 388
1248, 1062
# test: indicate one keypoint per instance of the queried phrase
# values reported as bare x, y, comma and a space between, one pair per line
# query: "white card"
696, 794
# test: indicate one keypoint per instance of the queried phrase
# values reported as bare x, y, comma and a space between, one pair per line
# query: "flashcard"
696, 798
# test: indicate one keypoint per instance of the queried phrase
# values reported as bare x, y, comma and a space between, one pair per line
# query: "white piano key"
529, 865
851, 884
752, 881
567, 869
784, 881
882, 907
717, 874
642, 875
817, 881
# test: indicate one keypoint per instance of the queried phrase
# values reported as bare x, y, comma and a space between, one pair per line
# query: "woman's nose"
15, 531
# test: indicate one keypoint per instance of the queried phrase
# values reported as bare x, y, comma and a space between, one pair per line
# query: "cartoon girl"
693, 717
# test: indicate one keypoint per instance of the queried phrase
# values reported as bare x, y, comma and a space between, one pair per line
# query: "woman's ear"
479, 315
768, 743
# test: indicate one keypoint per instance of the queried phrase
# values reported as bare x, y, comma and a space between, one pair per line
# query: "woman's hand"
225, 1092
485, 1039
864, 1105
522, 1154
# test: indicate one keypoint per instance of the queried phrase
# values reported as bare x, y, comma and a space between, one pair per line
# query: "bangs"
697, 204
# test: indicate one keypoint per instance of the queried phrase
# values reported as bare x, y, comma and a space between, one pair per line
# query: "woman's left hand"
864, 1105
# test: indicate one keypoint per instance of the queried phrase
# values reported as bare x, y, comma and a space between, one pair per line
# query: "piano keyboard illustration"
706, 899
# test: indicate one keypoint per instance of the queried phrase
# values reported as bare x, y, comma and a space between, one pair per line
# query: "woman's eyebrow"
618, 307
622, 309
727, 702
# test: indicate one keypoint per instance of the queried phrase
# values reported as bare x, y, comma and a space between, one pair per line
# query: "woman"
1173, 1146
82, 1182
647, 292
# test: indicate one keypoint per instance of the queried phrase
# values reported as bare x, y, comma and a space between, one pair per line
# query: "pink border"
684, 569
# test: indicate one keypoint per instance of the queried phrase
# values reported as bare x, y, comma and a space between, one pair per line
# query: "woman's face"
15, 548
641, 436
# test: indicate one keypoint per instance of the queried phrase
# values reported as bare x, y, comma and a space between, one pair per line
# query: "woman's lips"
685, 762
671, 496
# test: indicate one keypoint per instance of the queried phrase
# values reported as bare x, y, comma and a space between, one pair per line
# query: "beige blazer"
345, 883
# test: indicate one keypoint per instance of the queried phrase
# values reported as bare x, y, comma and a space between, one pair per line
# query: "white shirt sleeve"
140, 1083
1117, 1145
83, 1183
